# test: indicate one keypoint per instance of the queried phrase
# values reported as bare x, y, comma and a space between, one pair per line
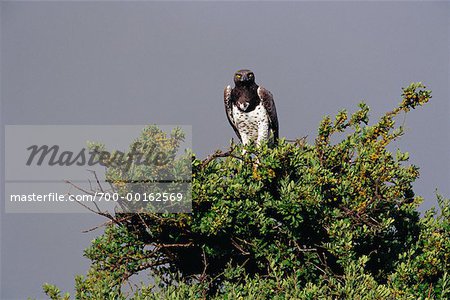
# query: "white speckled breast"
252, 125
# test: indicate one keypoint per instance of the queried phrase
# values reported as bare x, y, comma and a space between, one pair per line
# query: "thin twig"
98, 181
97, 226
190, 244
79, 188
120, 220
205, 266
237, 246
219, 154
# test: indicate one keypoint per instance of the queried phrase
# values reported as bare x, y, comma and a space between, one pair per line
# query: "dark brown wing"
229, 110
268, 103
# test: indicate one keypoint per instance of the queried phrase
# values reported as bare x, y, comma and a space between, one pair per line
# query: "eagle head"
244, 77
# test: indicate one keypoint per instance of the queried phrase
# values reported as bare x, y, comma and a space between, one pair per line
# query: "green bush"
333, 220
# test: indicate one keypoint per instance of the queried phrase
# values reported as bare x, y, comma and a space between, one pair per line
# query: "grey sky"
167, 63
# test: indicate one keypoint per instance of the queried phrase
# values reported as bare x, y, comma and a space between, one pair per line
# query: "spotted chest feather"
252, 125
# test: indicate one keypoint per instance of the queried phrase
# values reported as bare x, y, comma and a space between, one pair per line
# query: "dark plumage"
250, 109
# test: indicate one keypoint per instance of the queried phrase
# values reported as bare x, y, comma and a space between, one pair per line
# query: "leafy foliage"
333, 220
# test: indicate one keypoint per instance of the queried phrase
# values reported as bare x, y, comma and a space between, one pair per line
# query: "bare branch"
237, 246
96, 179
219, 154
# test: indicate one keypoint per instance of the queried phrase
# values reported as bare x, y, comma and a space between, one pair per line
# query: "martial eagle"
251, 110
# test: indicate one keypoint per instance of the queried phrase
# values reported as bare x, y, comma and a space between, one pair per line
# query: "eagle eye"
238, 76
250, 75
